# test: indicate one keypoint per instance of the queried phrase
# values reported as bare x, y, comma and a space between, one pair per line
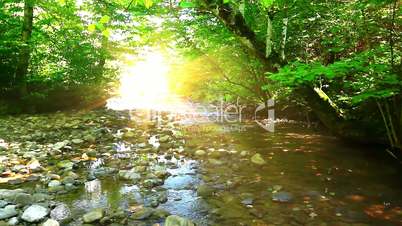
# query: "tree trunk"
23, 63
268, 41
325, 110
284, 37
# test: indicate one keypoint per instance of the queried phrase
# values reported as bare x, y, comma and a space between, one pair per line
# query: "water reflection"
93, 189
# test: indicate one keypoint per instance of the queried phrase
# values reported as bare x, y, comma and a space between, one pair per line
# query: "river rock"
68, 180
34, 165
204, 190
50, 222
90, 138
161, 213
60, 213
216, 154
39, 197
174, 220
103, 171
91, 153
161, 173
23, 199
247, 201
277, 187
34, 213
9, 195
257, 159
282, 197
3, 203
93, 215
15, 181
129, 135
152, 182
142, 214
129, 175
65, 164
54, 183
7, 212
215, 162
13, 221
77, 141
164, 139
200, 153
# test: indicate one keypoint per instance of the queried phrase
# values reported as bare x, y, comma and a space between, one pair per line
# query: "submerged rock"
34, 213
200, 153
257, 159
65, 164
247, 201
23, 199
142, 214
204, 190
50, 222
282, 197
174, 220
152, 182
93, 215
77, 141
9, 195
39, 197
103, 171
215, 162
7, 212
54, 183
61, 213
129, 175
164, 139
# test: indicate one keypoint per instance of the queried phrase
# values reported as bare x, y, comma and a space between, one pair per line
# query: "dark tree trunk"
236, 23
321, 107
23, 63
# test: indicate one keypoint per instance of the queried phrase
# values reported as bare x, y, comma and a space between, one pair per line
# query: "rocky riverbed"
101, 168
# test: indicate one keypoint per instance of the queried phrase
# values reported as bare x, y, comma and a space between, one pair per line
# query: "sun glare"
143, 85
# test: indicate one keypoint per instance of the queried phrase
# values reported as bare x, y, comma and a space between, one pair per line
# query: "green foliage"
72, 45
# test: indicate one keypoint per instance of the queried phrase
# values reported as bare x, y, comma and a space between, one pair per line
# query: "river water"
306, 176
318, 179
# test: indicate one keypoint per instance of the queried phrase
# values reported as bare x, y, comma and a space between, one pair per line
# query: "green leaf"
105, 19
100, 26
226, 1
148, 3
106, 32
186, 4
91, 28
267, 3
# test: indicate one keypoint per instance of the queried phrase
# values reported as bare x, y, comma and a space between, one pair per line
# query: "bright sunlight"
144, 84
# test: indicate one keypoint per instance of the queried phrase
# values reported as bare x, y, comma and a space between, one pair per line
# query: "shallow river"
308, 178
235, 174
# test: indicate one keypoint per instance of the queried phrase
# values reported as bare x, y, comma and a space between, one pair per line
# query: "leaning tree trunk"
23, 61
321, 106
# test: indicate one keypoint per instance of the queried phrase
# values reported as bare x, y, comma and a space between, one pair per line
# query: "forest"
77, 78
